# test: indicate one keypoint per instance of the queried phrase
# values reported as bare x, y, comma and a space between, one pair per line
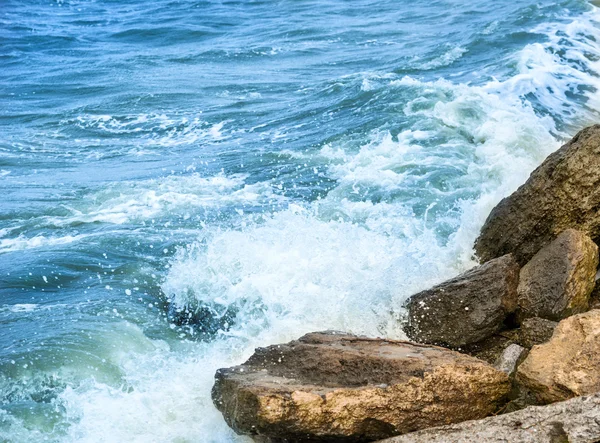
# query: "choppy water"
268, 167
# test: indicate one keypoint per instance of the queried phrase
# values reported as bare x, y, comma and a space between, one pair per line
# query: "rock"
562, 193
574, 421
535, 331
338, 387
567, 365
491, 348
558, 280
467, 308
507, 362
595, 295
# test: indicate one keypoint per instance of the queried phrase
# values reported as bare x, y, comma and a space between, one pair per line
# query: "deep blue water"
184, 181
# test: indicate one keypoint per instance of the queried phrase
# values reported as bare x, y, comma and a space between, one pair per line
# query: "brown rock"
535, 331
562, 193
338, 387
567, 365
558, 280
573, 421
466, 309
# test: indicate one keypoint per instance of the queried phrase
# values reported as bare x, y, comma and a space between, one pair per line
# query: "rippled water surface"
183, 181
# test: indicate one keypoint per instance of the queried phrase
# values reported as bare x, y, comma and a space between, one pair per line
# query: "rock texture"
492, 347
507, 362
535, 331
466, 309
562, 193
559, 279
339, 387
573, 421
567, 365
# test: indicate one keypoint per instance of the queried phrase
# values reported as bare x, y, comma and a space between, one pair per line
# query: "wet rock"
562, 193
558, 280
338, 387
507, 361
567, 365
467, 308
491, 348
535, 331
575, 421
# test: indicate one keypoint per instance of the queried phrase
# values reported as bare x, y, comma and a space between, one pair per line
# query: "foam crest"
561, 73
150, 129
125, 202
22, 242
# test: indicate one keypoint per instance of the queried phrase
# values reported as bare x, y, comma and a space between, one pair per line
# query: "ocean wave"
181, 195
23, 242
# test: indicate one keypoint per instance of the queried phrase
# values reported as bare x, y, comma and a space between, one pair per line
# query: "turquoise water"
184, 181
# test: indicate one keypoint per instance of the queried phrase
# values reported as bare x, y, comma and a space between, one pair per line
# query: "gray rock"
507, 362
328, 387
572, 421
466, 309
562, 193
558, 280
535, 331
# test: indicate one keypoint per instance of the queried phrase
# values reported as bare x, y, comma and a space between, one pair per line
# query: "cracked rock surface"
340, 387
572, 421
562, 193
567, 365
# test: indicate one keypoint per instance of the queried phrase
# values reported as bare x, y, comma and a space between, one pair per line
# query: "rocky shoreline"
507, 351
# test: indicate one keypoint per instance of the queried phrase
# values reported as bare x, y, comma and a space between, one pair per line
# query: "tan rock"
559, 279
567, 365
339, 387
562, 193
466, 309
573, 421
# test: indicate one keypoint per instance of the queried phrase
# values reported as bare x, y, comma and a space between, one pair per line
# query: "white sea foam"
153, 130
23, 307
140, 201
566, 65
22, 242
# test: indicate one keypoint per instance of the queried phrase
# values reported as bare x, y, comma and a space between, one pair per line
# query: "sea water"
183, 181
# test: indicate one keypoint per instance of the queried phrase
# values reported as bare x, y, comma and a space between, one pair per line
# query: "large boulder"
339, 387
466, 309
563, 192
574, 421
558, 280
567, 365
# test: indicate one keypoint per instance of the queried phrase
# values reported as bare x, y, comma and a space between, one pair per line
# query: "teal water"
183, 181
